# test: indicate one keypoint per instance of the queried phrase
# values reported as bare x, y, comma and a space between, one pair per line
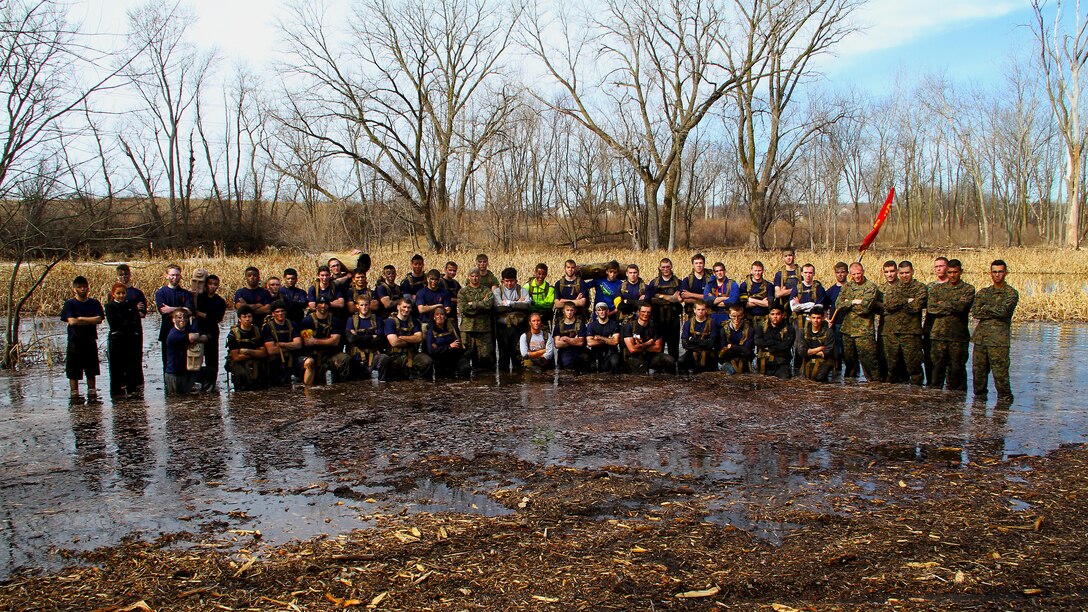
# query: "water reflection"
295, 464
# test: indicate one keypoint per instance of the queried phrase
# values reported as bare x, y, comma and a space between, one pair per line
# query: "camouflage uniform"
476, 304
993, 308
858, 338
901, 328
878, 322
949, 305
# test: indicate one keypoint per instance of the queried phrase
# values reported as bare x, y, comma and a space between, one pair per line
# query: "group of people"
596, 317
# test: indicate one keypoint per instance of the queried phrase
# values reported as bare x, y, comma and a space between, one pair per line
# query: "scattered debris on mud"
920, 535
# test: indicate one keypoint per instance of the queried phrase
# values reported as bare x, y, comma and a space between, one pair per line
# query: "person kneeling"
699, 337
603, 338
774, 341
643, 344
180, 376
405, 337
321, 343
737, 340
570, 340
537, 346
366, 338
817, 346
283, 343
443, 344
247, 359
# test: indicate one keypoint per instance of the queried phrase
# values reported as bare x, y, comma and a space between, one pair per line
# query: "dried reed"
1051, 282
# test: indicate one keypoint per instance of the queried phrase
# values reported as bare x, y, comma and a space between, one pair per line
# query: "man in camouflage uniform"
476, 302
855, 306
993, 308
902, 325
940, 270
950, 304
889, 272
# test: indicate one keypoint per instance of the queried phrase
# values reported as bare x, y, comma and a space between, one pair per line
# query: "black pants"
605, 361
509, 352
642, 363
126, 363
779, 367
670, 333
450, 363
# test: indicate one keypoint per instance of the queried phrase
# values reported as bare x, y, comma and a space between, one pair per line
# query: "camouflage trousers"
949, 362
817, 368
859, 354
479, 347
991, 358
903, 352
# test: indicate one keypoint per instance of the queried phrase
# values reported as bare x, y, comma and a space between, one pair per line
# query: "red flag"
865, 244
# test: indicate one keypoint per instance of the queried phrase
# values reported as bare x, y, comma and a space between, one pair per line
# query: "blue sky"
967, 40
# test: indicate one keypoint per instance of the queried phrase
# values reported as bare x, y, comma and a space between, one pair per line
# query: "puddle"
431, 496
768, 531
1017, 505
295, 464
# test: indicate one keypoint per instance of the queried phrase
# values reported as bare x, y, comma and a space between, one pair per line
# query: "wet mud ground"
574, 492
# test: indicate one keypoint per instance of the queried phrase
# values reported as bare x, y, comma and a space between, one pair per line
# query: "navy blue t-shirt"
332, 292
171, 296
396, 327
830, 297
412, 284
177, 345
273, 332
426, 297
568, 354
694, 284
569, 290
74, 308
132, 294
364, 325
606, 330
296, 299
254, 297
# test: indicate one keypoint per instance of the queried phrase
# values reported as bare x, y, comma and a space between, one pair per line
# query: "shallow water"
293, 464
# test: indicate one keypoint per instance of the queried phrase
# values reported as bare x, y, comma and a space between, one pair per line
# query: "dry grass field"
1053, 284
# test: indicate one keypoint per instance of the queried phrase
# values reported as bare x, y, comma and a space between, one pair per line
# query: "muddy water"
300, 463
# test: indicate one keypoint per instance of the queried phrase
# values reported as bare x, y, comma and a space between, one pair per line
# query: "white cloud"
892, 23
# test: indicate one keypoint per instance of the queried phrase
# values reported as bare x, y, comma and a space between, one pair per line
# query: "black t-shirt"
214, 309
88, 308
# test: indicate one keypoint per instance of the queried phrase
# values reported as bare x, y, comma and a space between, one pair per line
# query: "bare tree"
239, 176
1063, 50
46, 210
168, 77
768, 137
424, 84
664, 72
